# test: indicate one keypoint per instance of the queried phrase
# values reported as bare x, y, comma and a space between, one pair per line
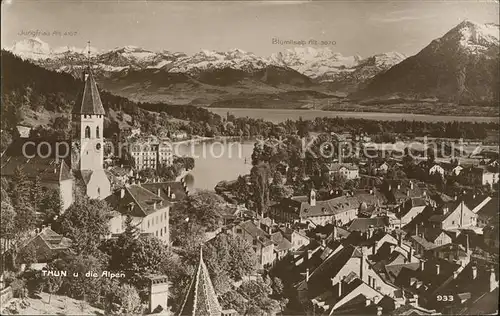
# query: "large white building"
151, 153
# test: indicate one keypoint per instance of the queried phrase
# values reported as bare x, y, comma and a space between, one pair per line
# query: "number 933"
444, 298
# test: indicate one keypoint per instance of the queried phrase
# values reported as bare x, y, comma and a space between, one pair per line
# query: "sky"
352, 27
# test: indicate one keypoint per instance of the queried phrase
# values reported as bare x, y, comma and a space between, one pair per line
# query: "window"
87, 132
97, 132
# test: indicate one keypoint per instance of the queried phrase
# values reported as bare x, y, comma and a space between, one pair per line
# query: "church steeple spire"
89, 101
201, 298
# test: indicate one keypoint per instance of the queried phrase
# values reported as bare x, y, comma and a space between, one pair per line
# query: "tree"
85, 222
231, 254
203, 208
7, 223
257, 293
50, 205
126, 299
21, 188
278, 192
52, 284
28, 255
83, 286
260, 180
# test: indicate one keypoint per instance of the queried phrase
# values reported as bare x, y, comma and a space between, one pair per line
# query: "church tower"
87, 139
87, 126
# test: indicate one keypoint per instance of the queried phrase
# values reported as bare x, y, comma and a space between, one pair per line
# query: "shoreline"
375, 115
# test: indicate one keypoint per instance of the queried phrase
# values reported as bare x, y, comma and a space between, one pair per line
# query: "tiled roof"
141, 200
176, 188
431, 234
54, 240
452, 206
427, 245
257, 233
320, 279
89, 101
491, 209
200, 298
428, 277
362, 224
47, 168
280, 242
328, 207
392, 271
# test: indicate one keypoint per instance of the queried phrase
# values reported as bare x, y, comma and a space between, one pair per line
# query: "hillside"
33, 96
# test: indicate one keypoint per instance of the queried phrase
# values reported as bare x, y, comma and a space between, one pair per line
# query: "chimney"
467, 249
407, 192
437, 269
493, 281
379, 310
374, 248
455, 274
168, 191
399, 186
422, 265
154, 205
410, 254
370, 231
158, 192
122, 193
390, 187
172, 196
474, 272
411, 185
121, 166
391, 247
456, 197
416, 230
307, 275
312, 198
340, 288
371, 191
85, 76
323, 243
308, 254
367, 302
362, 265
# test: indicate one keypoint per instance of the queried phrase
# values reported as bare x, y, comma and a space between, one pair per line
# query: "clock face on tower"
98, 146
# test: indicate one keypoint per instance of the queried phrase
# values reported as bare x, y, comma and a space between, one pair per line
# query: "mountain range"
459, 67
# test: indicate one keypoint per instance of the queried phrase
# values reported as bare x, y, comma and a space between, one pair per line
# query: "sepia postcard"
224, 158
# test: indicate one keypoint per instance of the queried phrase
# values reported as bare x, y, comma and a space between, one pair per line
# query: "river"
280, 115
215, 160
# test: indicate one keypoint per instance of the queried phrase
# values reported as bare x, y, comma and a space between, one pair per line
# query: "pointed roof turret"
201, 298
89, 101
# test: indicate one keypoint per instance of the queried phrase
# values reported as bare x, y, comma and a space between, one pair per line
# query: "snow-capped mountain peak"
472, 36
32, 48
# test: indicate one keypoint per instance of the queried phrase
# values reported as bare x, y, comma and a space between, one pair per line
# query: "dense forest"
30, 89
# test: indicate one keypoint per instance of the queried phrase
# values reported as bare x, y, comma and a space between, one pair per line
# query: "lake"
215, 161
280, 115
